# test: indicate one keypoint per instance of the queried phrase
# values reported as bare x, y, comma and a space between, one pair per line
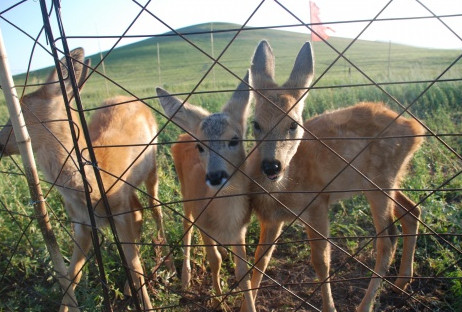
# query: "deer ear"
262, 68
53, 89
303, 71
185, 115
238, 106
84, 74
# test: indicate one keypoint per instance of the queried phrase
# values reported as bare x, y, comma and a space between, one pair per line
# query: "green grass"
26, 282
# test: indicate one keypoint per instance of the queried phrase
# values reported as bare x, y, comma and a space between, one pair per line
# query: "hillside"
182, 65
181, 62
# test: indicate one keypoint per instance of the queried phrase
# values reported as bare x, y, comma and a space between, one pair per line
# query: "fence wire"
432, 97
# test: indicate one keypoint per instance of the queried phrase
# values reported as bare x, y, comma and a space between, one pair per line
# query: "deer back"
123, 133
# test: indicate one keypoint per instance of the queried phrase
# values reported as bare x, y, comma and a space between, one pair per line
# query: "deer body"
218, 215
111, 125
304, 176
214, 191
315, 166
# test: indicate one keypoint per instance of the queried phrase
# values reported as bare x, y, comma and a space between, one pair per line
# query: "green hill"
182, 65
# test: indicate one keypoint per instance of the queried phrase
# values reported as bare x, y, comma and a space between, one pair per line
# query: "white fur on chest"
224, 219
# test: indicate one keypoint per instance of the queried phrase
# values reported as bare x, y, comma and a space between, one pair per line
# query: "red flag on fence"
318, 31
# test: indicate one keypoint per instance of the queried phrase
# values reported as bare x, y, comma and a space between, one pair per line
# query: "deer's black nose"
271, 167
216, 178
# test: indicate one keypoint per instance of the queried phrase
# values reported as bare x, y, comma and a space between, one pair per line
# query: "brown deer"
213, 189
120, 134
305, 167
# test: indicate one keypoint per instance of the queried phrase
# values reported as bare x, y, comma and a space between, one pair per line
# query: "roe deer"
304, 176
213, 190
119, 134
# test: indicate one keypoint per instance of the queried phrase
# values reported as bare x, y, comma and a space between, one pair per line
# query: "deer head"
219, 135
44, 108
278, 109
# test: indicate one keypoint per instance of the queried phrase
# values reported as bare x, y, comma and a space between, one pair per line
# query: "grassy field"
373, 71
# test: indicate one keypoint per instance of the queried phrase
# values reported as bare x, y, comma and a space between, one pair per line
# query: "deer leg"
409, 217
127, 237
242, 274
268, 234
82, 239
137, 215
152, 187
317, 230
214, 259
382, 213
223, 252
188, 231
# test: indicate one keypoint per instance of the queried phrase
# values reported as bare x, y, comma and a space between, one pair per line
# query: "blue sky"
112, 17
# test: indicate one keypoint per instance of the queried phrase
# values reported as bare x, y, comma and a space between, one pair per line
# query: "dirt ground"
298, 276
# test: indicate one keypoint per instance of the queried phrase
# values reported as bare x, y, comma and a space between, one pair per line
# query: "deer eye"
200, 148
256, 126
234, 141
293, 126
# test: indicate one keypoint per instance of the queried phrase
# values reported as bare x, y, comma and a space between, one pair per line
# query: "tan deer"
213, 190
304, 175
130, 126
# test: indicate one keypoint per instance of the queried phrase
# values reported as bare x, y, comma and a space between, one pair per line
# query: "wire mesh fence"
108, 168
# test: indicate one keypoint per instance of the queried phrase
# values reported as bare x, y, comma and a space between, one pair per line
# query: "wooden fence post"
30, 169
